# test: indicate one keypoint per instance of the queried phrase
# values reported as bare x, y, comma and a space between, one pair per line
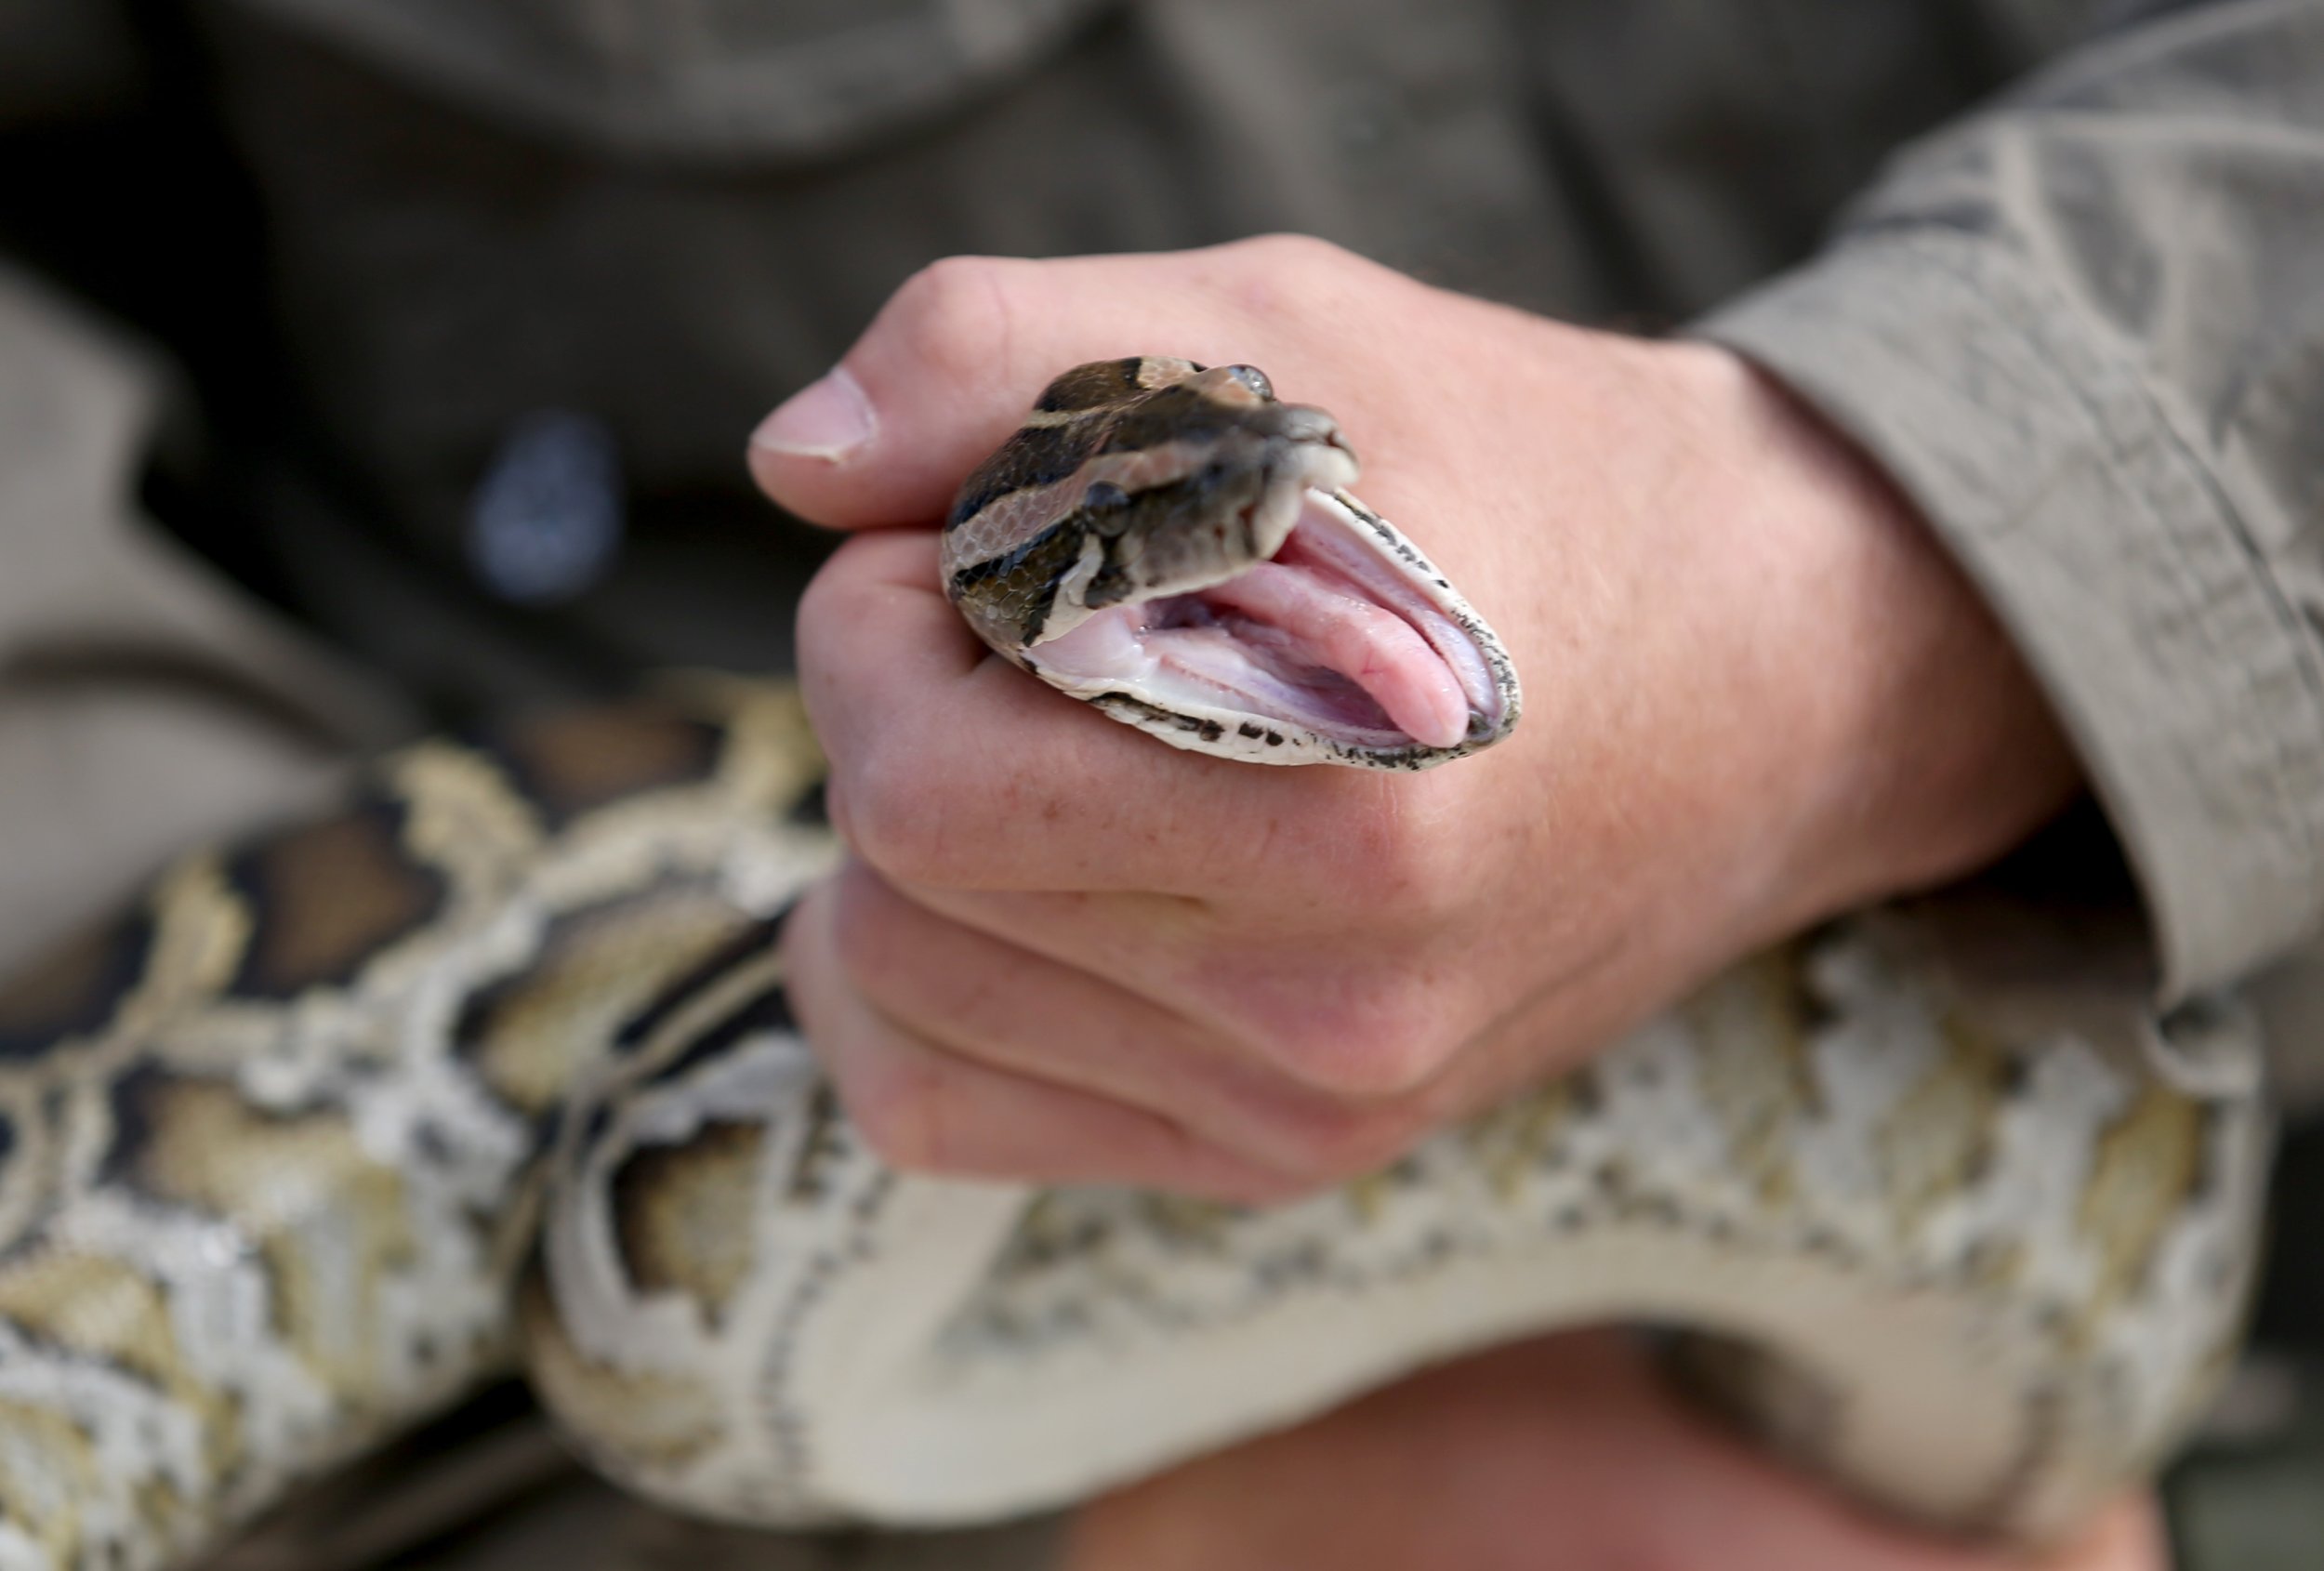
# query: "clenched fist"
1756, 693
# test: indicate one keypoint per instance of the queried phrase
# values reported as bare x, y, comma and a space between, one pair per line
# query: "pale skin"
1757, 692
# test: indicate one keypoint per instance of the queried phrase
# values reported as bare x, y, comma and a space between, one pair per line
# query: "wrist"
1918, 745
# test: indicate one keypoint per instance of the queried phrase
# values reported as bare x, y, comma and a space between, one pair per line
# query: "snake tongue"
1329, 628
1336, 638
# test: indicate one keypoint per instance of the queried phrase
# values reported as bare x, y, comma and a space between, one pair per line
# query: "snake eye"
1254, 379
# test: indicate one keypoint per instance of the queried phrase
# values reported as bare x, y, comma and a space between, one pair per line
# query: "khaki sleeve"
145, 705
2084, 329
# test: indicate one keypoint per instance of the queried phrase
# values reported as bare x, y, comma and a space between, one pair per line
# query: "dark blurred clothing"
430, 222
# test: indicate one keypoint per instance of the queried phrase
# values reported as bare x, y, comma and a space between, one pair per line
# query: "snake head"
1176, 545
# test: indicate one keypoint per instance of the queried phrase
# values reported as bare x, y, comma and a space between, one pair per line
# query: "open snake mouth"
1343, 633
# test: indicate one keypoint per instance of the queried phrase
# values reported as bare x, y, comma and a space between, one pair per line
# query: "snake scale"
493, 1065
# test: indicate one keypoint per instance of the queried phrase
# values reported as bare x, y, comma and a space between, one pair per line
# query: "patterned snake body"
496, 1065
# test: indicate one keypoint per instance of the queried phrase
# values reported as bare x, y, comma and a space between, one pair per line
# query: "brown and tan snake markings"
496, 1068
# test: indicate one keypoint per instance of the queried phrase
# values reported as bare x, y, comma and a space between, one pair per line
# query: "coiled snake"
495, 1064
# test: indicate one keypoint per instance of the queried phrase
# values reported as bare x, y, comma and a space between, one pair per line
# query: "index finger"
951, 768
948, 368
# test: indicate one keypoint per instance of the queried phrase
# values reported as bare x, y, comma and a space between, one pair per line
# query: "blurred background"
434, 329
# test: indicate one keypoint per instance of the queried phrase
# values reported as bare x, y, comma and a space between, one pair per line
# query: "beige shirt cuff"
2083, 502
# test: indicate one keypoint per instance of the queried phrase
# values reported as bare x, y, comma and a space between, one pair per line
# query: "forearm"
2080, 332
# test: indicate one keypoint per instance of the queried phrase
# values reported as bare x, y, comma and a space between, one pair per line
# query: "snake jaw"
1344, 646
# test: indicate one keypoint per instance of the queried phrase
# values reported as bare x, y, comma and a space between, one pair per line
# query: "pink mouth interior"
1326, 638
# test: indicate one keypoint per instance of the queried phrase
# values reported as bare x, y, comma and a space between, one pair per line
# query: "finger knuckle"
953, 315
864, 936
827, 611
1381, 1037
838, 659
896, 818
1284, 248
893, 1103
1298, 277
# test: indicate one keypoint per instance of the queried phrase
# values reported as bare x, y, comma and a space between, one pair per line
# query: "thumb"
958, 355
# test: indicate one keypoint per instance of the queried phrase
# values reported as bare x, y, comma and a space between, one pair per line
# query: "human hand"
1561, 1454
1756, 693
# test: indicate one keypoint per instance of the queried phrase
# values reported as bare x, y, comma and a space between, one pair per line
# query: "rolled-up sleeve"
2085, 330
